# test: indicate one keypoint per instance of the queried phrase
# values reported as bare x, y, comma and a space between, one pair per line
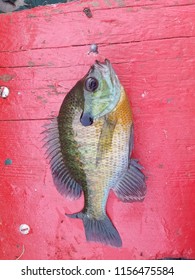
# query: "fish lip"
103, 65
104, 68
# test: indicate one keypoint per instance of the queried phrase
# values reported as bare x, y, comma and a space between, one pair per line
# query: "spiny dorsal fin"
63, 180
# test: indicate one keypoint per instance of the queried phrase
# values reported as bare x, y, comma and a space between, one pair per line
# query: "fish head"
102, 91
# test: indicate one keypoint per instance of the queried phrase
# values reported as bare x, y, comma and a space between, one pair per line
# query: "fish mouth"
103, 66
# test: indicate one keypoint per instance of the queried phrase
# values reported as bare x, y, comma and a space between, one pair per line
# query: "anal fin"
132, 185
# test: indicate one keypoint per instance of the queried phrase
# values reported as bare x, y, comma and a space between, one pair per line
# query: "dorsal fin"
63, 180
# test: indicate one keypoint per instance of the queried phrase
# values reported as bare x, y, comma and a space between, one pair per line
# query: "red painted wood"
152, 47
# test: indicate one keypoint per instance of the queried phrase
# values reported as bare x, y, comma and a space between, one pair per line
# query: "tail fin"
101, 230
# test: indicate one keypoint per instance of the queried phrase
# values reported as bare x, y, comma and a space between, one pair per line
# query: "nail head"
94, 48
4, 91
88, 12
24, 229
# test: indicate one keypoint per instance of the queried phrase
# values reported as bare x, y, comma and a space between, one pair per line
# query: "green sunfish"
90, 145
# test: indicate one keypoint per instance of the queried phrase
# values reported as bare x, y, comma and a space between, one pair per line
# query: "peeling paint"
6, 77
95, 4
120, 3
8, 161
108, 3
31, 63
31, 16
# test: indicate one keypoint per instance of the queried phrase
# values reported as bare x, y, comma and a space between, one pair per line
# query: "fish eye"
91, 84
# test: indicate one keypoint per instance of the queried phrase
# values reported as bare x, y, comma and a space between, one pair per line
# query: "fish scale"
101, 177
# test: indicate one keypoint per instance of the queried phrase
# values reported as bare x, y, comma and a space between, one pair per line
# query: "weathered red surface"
43, 52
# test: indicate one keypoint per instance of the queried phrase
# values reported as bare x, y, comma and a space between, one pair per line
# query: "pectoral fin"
105, 140
132, 185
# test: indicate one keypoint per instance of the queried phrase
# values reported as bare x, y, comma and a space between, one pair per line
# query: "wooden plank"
40, 78
50, 30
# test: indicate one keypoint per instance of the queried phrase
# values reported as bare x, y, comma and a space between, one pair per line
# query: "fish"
89, 146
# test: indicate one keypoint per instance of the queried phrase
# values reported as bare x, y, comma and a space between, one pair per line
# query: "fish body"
90, 145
